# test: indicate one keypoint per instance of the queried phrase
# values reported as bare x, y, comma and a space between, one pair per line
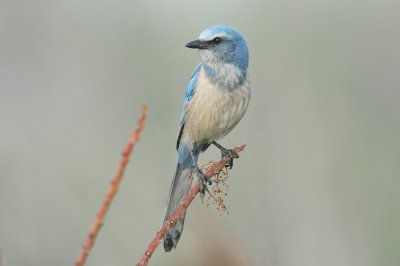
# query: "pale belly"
214, 112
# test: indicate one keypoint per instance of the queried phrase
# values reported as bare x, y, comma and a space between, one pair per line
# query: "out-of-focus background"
317, 185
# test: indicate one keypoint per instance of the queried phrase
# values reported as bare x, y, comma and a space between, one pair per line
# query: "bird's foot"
205, 180
230, 154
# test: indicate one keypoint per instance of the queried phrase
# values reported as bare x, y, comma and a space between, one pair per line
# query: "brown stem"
111, 191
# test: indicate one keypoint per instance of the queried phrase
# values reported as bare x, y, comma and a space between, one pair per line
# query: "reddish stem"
112, 190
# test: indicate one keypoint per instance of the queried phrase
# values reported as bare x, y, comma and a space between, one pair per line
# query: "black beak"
197, 44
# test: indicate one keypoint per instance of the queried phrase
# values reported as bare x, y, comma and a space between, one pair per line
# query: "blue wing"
190, 90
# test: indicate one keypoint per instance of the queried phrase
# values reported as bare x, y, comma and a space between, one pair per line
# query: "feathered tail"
180, 187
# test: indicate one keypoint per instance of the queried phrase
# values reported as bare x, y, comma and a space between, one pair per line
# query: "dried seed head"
218, 190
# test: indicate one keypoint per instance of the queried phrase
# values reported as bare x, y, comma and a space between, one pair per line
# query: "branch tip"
112, 190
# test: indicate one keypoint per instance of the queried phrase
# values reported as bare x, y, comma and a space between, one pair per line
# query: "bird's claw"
204, 181
230, 155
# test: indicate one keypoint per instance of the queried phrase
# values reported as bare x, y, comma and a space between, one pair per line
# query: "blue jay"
216, 99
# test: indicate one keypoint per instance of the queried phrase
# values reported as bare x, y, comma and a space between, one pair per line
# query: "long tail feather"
180, 187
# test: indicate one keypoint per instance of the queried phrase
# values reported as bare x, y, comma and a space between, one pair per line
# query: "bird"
215, 100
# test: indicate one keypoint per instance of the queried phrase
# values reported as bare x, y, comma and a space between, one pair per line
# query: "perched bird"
216, 99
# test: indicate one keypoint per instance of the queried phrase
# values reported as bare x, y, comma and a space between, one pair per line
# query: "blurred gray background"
317, 185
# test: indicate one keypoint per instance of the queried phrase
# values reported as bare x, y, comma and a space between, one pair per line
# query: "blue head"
221, 46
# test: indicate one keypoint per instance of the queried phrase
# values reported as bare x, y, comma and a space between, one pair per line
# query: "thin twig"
214, 169
111, 191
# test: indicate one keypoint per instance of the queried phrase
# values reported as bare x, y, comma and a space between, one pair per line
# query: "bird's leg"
230, 154
203, 178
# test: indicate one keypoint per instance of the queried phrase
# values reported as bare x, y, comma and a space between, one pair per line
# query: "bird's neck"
225, 75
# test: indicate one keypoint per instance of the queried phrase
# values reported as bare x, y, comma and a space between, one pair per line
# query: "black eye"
217, 40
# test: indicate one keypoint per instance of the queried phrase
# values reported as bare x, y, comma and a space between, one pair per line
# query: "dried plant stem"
111, 191
214, 169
